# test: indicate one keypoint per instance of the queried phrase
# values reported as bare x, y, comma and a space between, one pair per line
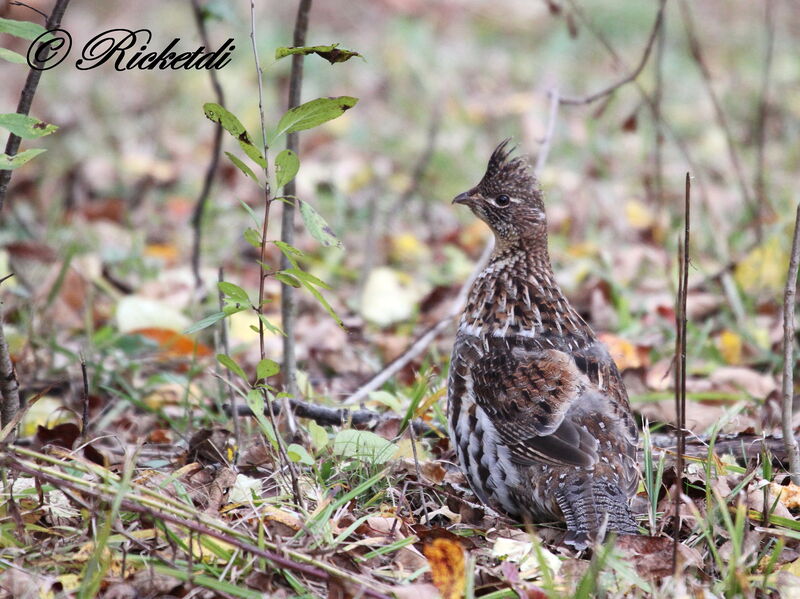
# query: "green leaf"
267, 368
319, 436
249, 211
287, 279
253, 237
330, 53
270, 327
255, 401
11, 56
25, 126
9, 163
243, 167
205, 322
307, 277
298, 453
364, 445
322, 301
234, 126
313, 113
316, 225
234, 292
291, 252
24, 29
286, 166
228, 363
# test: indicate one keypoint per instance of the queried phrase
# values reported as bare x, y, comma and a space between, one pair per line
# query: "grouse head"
508, 198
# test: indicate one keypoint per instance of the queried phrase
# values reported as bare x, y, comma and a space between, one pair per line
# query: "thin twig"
26, 97
288, 304
579, 101
298, 497
788, 355
658, 94
34, 9
84, 400
762, 199
680, 365
705, 72
552, 117
211, 169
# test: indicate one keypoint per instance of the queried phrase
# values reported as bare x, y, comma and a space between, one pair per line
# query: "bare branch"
579, 101
84, 400
552, 117
788, 355
680, 363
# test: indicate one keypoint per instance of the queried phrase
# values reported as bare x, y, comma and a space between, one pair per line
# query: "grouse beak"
464, 198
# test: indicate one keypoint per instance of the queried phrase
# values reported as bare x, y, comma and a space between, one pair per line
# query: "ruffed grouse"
537, 410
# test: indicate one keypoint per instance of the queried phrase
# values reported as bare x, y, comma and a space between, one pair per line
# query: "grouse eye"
502, 200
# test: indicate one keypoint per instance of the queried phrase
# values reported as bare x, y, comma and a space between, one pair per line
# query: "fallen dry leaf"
788, 495
625, 354
652, 556
446, 559
174, 345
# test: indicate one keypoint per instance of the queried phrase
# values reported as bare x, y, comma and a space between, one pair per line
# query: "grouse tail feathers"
592, 509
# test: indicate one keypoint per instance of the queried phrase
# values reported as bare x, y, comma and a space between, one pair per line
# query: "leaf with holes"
332, 53
233, 125
24, 126
316, 225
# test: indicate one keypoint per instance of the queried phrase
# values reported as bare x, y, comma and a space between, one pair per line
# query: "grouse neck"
517, 295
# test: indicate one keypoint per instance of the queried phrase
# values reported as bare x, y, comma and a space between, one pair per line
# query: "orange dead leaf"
174, 345
166, 252
446, 559
788, 495
625, 353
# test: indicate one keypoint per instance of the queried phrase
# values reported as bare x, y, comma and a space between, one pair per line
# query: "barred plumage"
537, 410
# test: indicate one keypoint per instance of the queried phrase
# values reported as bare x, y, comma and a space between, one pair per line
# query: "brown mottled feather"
537, 409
